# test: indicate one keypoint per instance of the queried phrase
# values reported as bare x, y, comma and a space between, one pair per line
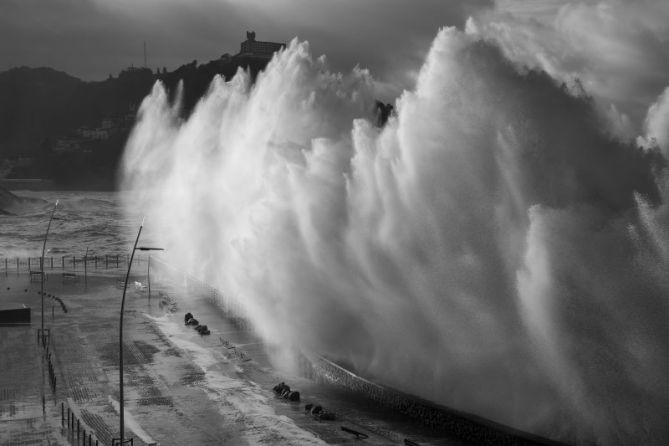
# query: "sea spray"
485, 249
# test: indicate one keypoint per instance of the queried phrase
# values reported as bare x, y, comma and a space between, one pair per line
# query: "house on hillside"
255, 48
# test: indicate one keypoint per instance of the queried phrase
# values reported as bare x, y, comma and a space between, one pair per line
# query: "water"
82, 220
492, 248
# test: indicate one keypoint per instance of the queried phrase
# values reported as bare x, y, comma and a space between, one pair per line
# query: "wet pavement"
180, 387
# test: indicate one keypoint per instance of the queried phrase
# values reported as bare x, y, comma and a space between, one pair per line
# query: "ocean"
92, 220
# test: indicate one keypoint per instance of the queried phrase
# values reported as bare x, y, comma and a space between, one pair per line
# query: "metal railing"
75, 428
67, 262
231, 307
468, 427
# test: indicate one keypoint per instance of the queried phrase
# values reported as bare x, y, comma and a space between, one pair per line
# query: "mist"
492, 248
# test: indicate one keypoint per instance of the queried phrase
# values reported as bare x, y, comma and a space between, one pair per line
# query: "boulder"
280, 388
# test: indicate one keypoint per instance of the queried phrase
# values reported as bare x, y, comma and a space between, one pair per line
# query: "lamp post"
148, 275
46, 235
86, 268
120, 329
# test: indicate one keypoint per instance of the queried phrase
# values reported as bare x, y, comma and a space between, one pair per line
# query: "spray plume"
490, 248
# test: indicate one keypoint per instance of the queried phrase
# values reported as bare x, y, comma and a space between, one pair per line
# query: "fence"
69, 262
72, 424
231, 307
74, 427
73, 417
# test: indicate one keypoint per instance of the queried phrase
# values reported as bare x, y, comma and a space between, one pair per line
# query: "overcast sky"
91, 39
616, 48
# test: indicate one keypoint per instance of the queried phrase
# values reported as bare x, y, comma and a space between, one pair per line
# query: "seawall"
465, 426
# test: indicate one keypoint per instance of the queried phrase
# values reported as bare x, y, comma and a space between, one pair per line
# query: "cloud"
390, 37
616, 49
92, 38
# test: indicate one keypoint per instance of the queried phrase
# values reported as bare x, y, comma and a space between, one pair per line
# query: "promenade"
180, 388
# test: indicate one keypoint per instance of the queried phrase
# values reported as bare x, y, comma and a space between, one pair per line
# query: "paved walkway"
180, 388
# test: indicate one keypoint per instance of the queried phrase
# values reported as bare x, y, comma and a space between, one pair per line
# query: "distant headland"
71, 133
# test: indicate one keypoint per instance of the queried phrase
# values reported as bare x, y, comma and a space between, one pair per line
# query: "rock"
281, 388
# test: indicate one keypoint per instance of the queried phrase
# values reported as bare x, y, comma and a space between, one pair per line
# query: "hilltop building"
255, 48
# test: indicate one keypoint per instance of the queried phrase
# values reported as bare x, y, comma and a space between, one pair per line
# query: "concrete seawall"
461, 425
467, 427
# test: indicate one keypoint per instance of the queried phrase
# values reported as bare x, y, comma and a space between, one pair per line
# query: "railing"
233, 310
464, 426
69, 262
74, 427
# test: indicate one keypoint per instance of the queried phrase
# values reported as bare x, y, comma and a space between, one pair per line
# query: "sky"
91, 39
616, 49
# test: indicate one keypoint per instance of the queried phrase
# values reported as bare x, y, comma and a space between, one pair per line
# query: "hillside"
58, 127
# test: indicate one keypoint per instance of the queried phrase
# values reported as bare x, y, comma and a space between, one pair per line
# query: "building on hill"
255, 48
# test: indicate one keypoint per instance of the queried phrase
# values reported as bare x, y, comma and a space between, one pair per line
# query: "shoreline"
51, 186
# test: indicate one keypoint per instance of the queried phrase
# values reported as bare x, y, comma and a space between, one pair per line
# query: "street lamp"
86, 268
120, 328
46, 235
148, 276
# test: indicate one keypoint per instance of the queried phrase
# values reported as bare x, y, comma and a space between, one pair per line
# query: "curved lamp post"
86, 268
42, 271
120, 329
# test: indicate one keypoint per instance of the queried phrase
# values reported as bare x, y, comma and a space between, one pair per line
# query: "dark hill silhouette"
41, 107
32, 105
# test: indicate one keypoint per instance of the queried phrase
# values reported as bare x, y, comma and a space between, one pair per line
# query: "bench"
36, 276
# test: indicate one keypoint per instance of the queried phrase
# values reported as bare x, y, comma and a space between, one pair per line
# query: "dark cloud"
91, 39
391, 37
617, 49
